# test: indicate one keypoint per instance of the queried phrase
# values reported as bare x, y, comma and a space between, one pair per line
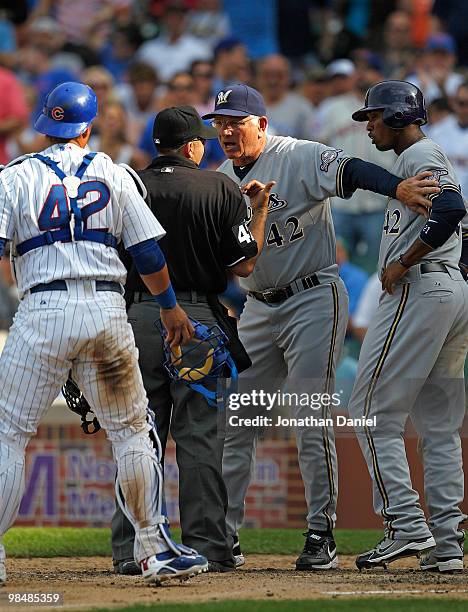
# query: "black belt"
61, 285
183, 296
274, 296
433, 267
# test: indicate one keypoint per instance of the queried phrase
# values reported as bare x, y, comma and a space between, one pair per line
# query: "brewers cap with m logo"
238, 100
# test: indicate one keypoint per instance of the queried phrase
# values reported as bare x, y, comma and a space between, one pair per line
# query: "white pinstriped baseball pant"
87, 332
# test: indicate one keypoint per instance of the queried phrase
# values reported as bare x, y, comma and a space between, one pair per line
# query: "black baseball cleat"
388, 550
319, 552
221, 567
127, 567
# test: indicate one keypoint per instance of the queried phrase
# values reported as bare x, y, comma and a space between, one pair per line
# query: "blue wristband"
167, 298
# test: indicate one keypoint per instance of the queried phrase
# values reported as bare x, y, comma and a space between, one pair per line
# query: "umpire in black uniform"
204, 214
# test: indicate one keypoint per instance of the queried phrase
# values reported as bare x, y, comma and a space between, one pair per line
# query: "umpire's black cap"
177, 125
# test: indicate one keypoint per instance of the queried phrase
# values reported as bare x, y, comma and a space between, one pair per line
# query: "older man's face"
240, 138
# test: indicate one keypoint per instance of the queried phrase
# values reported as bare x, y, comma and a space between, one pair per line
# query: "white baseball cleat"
431, 563
167, 565
239, 558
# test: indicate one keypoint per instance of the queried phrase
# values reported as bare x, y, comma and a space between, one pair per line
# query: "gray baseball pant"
411, 364
298, 341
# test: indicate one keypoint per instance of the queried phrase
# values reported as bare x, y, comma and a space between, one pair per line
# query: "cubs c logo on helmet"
57, 113
223, 96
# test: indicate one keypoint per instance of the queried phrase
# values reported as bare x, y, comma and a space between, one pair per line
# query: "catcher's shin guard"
151, 530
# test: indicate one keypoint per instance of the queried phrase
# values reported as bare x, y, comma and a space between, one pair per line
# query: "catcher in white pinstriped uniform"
64, 212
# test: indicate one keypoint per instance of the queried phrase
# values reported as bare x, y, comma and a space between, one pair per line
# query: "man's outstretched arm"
356, 173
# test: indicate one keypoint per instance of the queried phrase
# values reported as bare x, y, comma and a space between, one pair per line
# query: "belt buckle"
268, 295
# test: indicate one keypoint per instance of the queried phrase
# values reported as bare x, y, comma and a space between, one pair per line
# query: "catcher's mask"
202, 361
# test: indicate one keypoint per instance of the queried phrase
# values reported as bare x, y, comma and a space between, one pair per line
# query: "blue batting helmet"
68, 110
402, 103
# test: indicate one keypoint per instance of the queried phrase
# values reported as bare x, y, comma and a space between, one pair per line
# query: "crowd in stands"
312, 60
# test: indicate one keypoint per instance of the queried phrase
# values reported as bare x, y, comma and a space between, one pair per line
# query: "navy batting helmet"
402, 103
68, 110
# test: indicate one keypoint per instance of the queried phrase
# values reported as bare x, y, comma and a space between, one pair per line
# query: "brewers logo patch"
328, 156
436, 174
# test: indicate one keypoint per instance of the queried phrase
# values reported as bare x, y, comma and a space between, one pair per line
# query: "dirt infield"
89, 582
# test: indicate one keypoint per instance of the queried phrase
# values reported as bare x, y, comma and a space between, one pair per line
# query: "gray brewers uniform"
411, 363
302, 336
